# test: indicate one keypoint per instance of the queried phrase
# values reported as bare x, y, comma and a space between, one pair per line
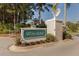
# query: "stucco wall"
54, 27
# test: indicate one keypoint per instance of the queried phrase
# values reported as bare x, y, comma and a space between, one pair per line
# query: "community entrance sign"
33, 33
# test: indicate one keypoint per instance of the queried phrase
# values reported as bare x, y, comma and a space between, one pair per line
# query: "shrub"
50, 37
25, 44
18, 26
47, 40
17, 41
42, 41
41, 26
32, 43
72, 27
5, 28
66, 35
38, 42
28, 25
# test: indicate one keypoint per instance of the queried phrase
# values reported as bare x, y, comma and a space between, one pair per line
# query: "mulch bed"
4, 35
9, 35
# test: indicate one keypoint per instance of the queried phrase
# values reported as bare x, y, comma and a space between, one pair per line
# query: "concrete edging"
14, 48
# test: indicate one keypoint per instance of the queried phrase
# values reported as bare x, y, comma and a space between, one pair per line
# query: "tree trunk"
14, 20
65, 14
3, 15
17, 17
40, 16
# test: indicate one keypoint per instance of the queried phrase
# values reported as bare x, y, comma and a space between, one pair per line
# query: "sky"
72, 13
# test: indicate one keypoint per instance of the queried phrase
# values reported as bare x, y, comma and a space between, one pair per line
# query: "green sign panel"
34, 33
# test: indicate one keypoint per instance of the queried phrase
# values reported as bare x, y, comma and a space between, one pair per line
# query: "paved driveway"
59, 49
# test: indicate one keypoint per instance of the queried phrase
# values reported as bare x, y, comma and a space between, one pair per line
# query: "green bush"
25, 44
9, 27
72, 27
32, 43
38, 42
42, 41
66, 35
17, 41
5, 28
41, 26
50, 37
18, 26
28, 25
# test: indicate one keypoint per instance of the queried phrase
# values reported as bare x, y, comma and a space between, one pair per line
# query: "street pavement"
62, 48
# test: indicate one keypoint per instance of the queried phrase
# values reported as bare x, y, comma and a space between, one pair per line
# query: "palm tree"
26, 11
54, 8
41, 7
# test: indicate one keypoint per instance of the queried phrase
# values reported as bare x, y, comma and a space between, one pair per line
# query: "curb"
14, 48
